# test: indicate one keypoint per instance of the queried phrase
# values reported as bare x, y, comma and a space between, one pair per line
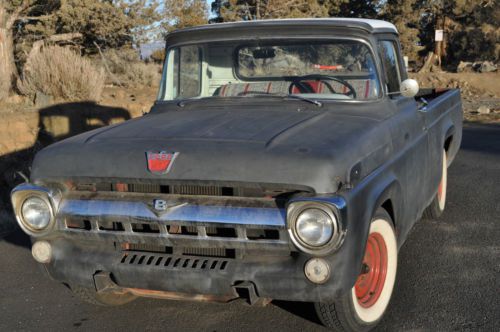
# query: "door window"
390, 62
186, 72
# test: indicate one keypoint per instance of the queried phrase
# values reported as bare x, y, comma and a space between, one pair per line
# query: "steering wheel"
304, 87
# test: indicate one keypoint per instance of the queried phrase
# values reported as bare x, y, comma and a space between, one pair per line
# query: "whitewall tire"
364, 306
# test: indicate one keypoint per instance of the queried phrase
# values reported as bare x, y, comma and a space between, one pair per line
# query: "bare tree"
7, 65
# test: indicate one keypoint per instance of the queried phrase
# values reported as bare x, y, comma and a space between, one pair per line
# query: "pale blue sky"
209, 2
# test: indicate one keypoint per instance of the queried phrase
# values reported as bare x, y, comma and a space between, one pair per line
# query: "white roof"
374, 24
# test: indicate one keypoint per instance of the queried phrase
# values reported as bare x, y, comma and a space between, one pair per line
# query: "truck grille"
102, 226
194, 222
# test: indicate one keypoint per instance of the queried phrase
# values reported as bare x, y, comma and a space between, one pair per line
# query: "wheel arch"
451, 141
390, 198
448, 137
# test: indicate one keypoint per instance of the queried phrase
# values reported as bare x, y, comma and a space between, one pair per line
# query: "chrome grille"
102, 226
234, 223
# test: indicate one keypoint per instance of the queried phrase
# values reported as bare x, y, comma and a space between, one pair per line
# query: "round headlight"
314, 227
36, 213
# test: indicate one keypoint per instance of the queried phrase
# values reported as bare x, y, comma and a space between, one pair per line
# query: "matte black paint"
365, 152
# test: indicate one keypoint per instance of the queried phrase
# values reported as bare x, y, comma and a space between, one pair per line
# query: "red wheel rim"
440, 190
371, 281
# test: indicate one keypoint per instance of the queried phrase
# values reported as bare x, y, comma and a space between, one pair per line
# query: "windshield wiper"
286, 96
309, 100
183, 102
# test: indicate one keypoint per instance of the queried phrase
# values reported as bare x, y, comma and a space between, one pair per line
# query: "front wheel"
362, 308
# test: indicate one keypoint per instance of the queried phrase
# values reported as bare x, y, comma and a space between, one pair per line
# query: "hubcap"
370, 282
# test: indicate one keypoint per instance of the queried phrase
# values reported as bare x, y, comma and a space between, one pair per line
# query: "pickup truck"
283, 160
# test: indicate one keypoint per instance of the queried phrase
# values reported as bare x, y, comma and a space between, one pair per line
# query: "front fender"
362, 202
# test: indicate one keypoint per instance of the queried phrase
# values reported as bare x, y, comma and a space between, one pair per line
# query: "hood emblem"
160, 162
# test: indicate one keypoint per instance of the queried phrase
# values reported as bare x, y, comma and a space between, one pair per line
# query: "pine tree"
178, 14
405, 15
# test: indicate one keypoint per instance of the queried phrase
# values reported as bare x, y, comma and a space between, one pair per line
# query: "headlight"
35, 208
36, 213
314, 227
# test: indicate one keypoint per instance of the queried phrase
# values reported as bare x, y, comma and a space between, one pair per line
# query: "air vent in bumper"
173, 262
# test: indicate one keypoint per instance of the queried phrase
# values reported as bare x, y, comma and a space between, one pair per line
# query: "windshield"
340, 69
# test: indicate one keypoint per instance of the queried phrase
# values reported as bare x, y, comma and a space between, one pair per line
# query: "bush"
62, 74
129, 70
141, 73
158, 56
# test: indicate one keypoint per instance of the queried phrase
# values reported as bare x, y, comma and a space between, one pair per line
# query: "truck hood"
313, 148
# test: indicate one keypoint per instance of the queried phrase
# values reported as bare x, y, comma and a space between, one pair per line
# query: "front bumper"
109, 238
275, 277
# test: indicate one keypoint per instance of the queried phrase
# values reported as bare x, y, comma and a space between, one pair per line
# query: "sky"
209, 3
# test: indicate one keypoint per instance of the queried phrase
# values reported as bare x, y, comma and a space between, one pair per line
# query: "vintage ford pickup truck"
283, 159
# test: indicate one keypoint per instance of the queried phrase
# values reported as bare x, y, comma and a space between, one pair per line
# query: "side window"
390, 62
186, 80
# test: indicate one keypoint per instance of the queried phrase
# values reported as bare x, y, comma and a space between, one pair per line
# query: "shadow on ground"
487, 138
55, 123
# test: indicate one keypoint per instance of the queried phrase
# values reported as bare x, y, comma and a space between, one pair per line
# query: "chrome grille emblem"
160, 205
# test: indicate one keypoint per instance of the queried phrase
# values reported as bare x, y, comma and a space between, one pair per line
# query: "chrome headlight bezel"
295, 209
24, 192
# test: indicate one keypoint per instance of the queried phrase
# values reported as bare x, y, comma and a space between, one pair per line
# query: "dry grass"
63, 74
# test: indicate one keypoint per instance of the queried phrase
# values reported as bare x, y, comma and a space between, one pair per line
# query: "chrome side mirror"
409, 88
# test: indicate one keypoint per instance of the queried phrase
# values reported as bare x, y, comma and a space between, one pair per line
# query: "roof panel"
366, 24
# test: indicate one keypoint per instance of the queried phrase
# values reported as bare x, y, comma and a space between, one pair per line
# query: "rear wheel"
362, 308
436, 208
91, 296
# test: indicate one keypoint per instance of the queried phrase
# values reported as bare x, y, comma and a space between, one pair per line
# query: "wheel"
436, 208
102, 299
362, 308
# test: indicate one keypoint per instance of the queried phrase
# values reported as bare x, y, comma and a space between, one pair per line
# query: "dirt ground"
476, 89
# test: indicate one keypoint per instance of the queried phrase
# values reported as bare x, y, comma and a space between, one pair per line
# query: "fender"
371, 192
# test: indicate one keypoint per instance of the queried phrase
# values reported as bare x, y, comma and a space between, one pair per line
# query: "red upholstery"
364, 88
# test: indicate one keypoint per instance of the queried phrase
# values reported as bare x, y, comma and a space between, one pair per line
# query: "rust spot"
121, 187
179, 296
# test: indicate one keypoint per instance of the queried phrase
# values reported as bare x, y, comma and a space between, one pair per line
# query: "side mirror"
409, 88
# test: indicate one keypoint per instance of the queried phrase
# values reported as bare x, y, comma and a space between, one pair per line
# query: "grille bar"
187, 189
116, 227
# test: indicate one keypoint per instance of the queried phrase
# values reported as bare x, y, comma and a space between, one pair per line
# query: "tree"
470, 29
405, 15
235, 10
9, 15
178, 14
356, 8
105, 23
